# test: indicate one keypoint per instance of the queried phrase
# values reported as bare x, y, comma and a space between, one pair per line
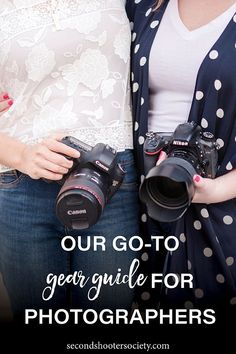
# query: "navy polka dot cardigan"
207, 233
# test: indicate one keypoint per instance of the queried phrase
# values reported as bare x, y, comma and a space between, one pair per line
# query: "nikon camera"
168, 189
89, 185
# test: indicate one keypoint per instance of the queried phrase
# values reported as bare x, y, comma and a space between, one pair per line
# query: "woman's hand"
209, 190
206, 190
215, 190
161, 158
5, 102
45, 160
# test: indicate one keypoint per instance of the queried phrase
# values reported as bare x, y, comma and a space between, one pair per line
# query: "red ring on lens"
87, 190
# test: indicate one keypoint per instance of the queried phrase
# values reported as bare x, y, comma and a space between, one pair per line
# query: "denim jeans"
30, 243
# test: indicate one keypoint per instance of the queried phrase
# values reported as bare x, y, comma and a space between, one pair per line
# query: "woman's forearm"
215, 190
226, 186
11, 151
45, 159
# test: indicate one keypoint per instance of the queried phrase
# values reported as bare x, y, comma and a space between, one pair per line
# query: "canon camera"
89, 185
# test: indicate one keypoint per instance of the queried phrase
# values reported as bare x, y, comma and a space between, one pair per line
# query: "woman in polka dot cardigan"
184, 69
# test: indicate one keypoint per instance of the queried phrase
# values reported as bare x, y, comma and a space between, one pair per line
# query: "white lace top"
66, 65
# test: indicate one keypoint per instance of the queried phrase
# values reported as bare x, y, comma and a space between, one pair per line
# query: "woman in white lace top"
66, 65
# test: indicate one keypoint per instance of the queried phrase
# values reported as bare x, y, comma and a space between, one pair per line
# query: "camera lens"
168, 189
165, 191
81, 199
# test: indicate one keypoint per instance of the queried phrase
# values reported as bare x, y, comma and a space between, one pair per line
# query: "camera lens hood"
168, 189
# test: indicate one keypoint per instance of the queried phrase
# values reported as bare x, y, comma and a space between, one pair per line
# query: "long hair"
158, 4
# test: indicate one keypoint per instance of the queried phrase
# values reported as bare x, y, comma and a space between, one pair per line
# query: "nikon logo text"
77, 212
181, 143
101, 165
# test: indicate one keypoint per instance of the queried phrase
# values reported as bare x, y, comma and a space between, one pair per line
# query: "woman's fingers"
61, 148
4, 105
5, 102
46, 174
4, 96
50, 166
162, 157
43, 152
47, 159
198, 181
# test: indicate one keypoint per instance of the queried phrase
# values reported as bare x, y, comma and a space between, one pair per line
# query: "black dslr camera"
168, 189
88, 186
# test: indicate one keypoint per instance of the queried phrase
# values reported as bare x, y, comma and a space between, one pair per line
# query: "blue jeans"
30, 243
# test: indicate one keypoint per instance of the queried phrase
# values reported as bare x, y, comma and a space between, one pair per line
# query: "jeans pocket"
10, 179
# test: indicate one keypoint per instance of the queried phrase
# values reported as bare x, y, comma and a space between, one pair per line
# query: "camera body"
89, 185
188, 142
168, 189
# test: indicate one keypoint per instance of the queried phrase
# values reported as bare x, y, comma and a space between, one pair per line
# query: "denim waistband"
14, 173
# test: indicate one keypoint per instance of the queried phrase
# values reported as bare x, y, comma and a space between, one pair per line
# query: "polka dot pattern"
207, 252
197, 225
143, 61
141, 140
134, 36
188, 305
145, 296
213, 54
227, 219
136, 48
212, 110
154, 24
136, 126
182, 237
199, 293
199, 95
230, 261
220, 143
233, 301
144, 256
204, 123
217, 85
135, 305
144, 218
204, 213
220, 113
148, 12
135, 87
189, 265
229, 166
220, 278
